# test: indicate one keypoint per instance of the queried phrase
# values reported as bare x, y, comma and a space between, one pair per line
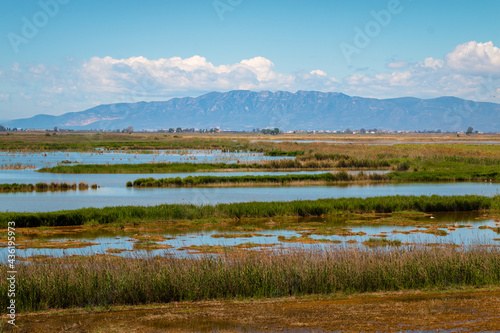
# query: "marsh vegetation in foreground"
108, 280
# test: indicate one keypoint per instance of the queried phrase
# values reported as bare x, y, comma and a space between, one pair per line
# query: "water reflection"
123, 196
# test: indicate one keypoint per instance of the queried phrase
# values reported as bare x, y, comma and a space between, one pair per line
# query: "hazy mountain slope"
239, 110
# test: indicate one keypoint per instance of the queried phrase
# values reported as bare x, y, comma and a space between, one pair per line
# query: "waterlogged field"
183, 240
36, 160
178, 255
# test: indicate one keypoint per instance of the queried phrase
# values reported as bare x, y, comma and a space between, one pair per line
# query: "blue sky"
83, 52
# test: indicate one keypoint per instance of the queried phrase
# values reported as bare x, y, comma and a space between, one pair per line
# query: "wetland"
399, 218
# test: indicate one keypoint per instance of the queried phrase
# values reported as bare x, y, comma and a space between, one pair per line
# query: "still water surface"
49, 159
468, 234
123, 196
113, 192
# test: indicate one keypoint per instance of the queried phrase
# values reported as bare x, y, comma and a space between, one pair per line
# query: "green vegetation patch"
284, 153
109, 280
301, 208
44, 187
382, 242
266, 179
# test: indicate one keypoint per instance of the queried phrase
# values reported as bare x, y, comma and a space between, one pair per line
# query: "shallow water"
120, 195
30, 176
470, 235
49, 159
113, 192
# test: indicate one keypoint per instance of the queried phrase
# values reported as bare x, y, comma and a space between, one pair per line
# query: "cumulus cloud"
76, 86
318, 72
475, 58
162, 76
469, 71
432, 63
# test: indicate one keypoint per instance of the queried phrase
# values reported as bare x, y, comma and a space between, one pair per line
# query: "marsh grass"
249, 210
284, 153
103, 281
381, 242
324, 178
44, 187
148, 167
487, 174
114, 141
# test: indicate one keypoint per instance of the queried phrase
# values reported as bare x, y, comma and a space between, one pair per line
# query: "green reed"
44, 187
298, 208
108, 281
252, 179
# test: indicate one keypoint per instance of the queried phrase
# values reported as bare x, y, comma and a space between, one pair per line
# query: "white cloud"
161, 76
318, 72
475, 58
469, 71
76, 86
433, 63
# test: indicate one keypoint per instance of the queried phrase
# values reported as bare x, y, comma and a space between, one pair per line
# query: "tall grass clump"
107, 281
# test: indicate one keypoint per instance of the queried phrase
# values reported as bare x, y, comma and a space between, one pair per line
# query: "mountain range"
303, 110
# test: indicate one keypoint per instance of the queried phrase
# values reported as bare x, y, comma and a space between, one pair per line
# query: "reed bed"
175, 167
248, 210
151, 167
458, 167
319, 179
324, 178
109, 281
45, 187
284, 153
492, 174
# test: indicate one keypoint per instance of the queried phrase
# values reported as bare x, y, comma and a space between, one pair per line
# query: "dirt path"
451, 311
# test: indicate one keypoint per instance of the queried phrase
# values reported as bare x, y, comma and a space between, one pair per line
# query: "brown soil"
389, 312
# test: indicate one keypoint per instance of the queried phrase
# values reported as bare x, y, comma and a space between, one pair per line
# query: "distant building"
35, 130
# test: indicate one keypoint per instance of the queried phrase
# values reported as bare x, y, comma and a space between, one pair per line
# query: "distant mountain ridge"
303, 110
